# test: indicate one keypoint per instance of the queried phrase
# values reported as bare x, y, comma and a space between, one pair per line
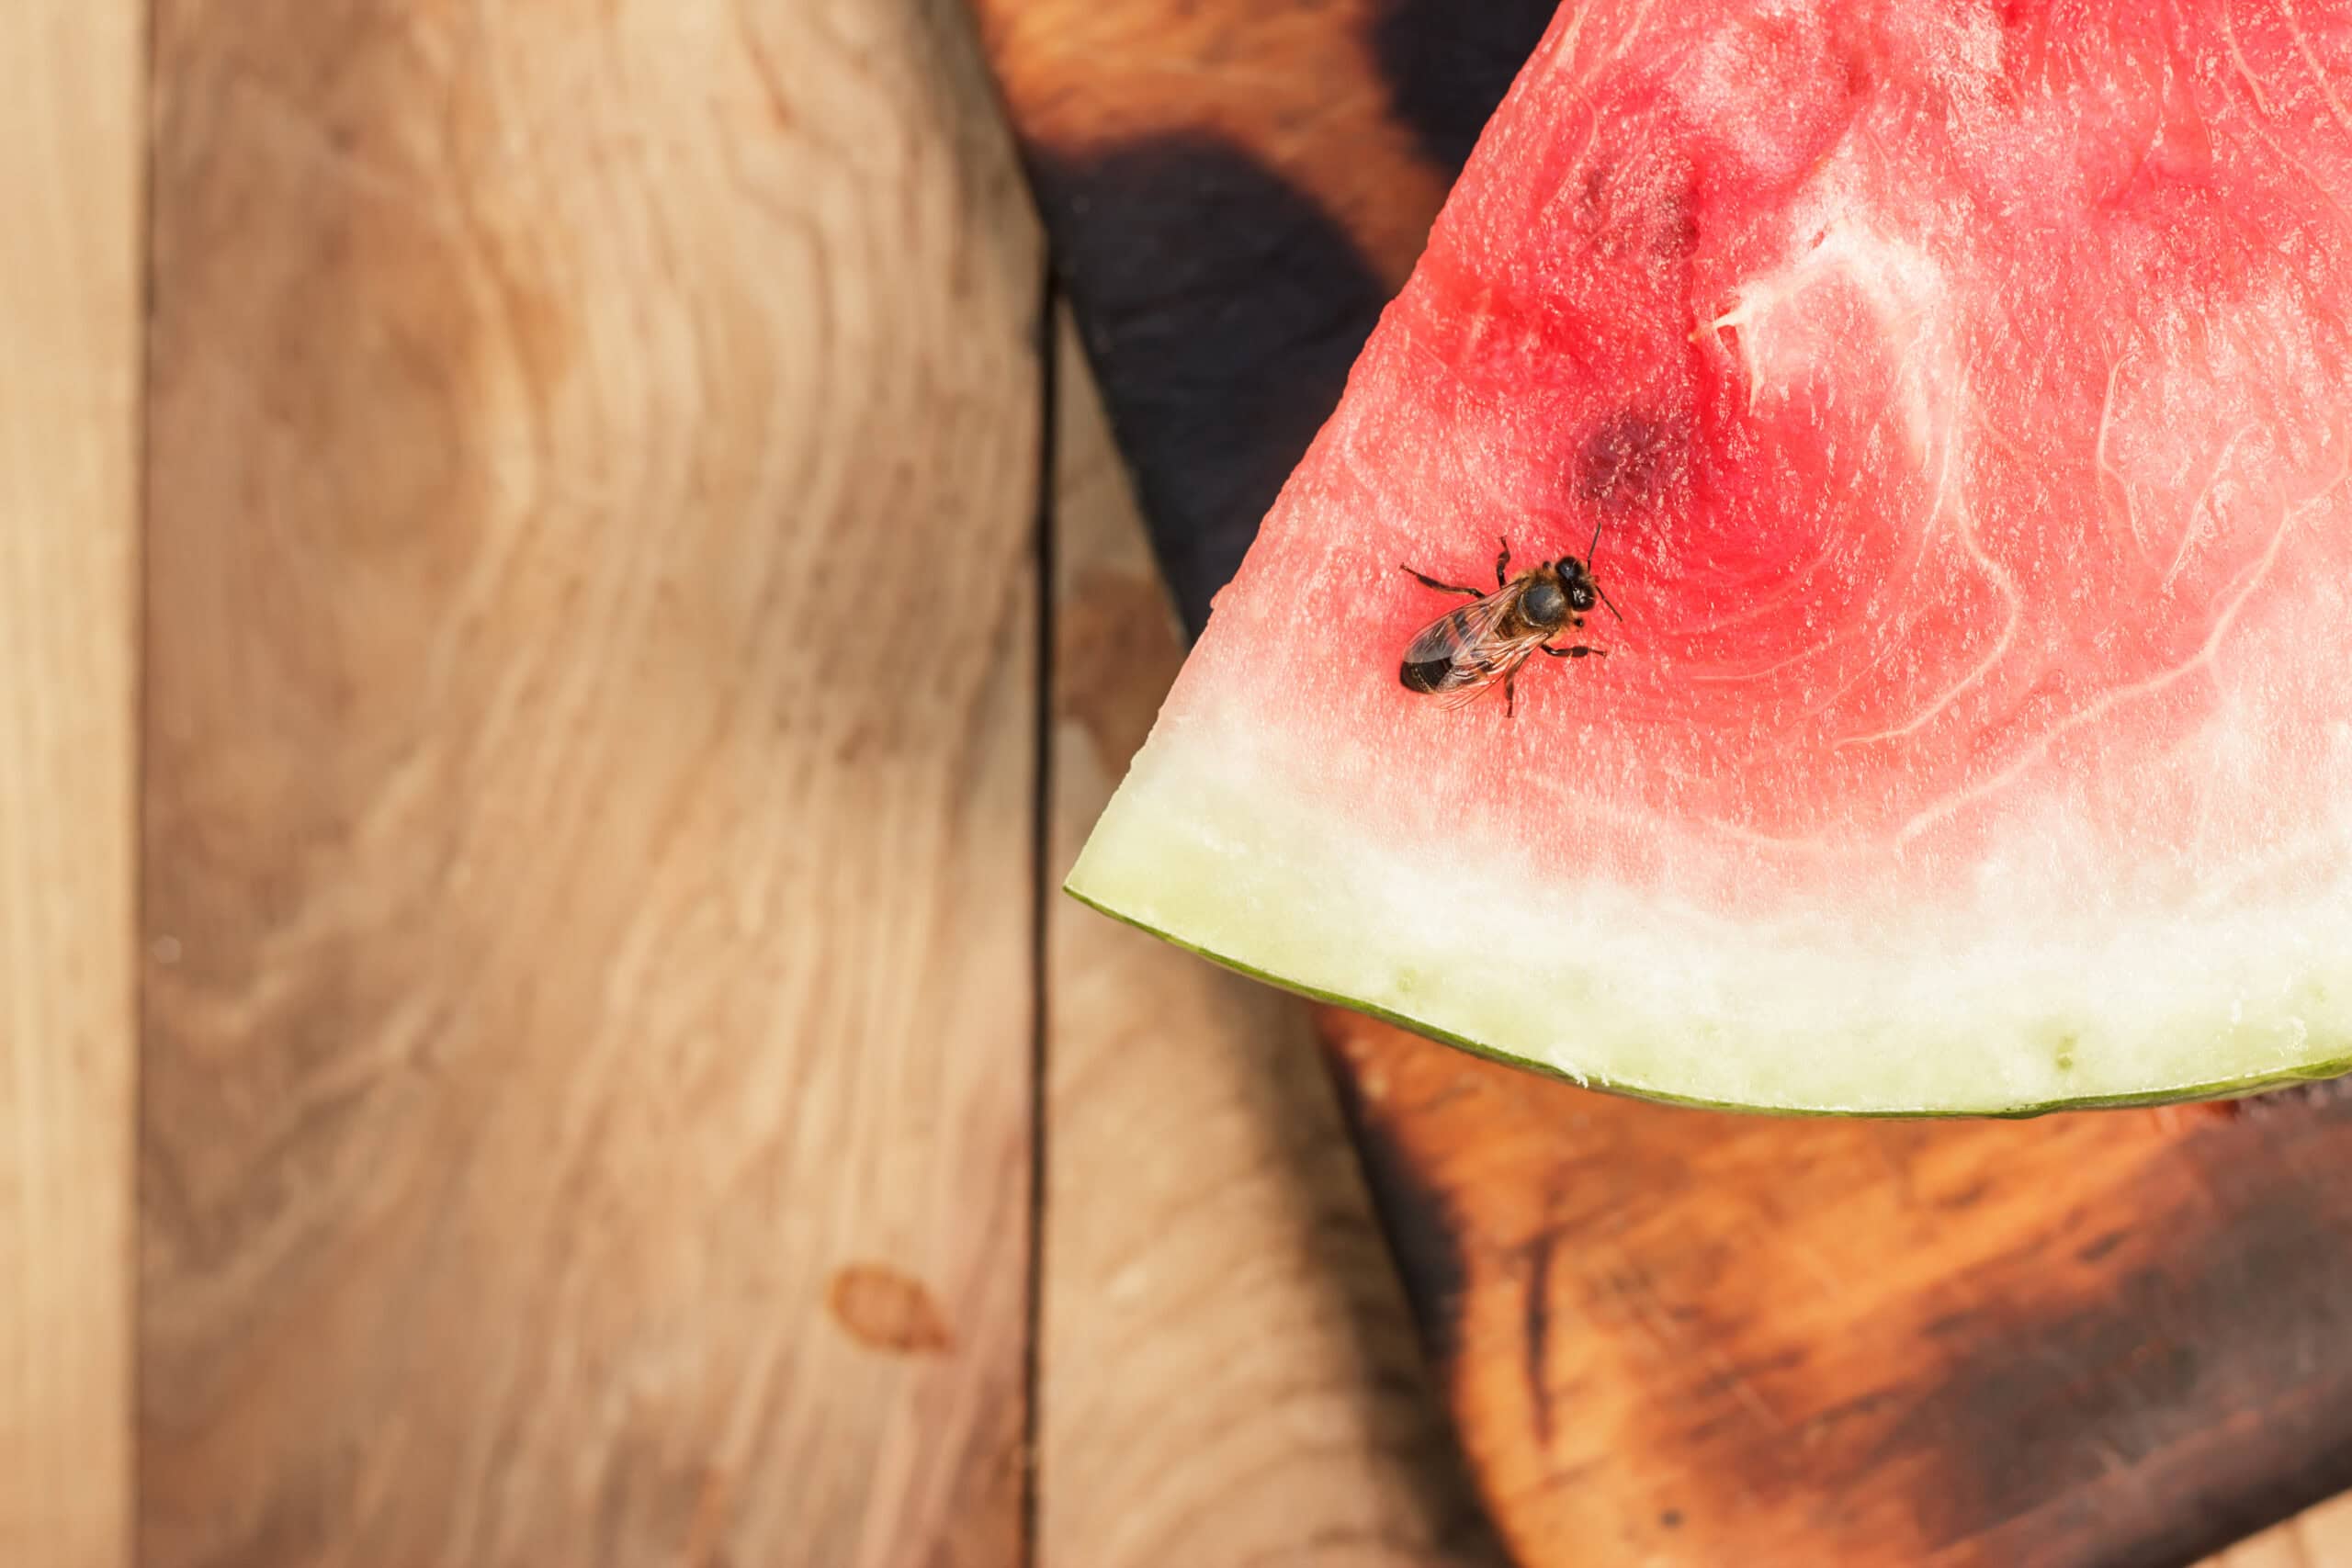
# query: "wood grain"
589, 809
1190, 158
1229, 1372
1683, 1337
1291, 83
71, 132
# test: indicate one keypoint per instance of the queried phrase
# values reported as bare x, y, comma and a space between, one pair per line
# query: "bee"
1464, 652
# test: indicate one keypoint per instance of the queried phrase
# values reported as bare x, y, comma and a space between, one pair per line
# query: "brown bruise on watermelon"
1983, 585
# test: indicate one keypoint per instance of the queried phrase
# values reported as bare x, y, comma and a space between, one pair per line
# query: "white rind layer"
1214, 846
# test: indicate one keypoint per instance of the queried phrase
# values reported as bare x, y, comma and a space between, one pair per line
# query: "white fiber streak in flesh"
2109, 700
1777, 339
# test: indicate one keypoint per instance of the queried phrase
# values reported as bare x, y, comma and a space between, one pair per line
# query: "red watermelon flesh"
1962, 393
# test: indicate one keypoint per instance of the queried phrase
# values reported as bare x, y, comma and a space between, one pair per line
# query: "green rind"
2231, 1089
1224, 839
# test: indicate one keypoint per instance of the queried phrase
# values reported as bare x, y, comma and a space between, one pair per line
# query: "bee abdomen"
1425, 674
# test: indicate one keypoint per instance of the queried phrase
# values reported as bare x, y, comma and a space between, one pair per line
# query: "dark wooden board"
1681, 1337
1669, 1336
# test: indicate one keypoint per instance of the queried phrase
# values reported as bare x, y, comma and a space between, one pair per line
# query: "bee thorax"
1545, 604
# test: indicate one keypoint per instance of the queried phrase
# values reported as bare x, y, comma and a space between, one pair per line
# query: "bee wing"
1461, 629
1480, 668
1469, 643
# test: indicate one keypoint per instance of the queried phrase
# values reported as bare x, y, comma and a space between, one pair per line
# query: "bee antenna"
1590, 551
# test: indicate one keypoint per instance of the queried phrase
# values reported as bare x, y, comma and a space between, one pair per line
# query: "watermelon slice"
1963, 396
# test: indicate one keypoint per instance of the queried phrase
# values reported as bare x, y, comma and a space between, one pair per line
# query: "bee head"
1582, 591
1576, 585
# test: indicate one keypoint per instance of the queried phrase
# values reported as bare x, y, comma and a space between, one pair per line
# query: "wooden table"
567, 598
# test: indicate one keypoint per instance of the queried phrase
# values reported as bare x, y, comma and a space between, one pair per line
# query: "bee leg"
1429, 581
1510, 698
1502, 565
1579, 651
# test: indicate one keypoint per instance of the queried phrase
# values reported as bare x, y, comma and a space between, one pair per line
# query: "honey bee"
1460, 655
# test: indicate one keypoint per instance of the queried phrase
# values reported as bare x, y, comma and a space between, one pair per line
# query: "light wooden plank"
2317, 1538
590, 788
1230, 1372
71, 130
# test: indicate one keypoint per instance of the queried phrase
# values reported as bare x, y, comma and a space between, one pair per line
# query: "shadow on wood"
1229, 1373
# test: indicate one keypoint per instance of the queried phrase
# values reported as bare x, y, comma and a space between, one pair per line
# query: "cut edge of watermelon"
2235, 1088
1174, 861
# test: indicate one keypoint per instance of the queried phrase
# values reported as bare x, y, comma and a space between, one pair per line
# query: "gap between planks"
1228, 1370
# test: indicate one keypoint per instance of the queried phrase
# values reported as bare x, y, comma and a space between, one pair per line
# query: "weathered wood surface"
591, 703
72, 125
1674, 1336
1229, 1370
1977, 1373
